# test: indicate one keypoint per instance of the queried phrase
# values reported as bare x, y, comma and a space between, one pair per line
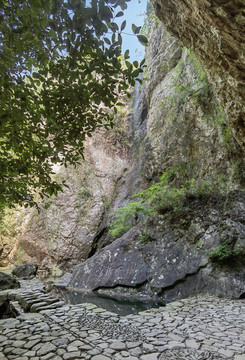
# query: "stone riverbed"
196, 328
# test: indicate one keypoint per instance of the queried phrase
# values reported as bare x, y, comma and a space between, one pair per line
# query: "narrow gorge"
179, 144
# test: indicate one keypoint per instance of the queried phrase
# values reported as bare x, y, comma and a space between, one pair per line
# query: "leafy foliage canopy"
61, 71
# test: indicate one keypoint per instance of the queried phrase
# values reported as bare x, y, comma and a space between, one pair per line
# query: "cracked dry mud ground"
196, 328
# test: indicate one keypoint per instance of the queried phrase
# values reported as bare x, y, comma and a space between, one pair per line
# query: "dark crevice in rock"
158, 7
242, 296
144, 114
96, 240
179, 281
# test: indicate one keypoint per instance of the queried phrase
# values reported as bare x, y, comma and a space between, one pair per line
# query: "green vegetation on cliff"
169, 194
225, 253
198, 90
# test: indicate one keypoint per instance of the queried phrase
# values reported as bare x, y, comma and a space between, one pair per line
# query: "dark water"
120, 307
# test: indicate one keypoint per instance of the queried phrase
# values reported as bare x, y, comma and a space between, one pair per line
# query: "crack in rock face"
183, 354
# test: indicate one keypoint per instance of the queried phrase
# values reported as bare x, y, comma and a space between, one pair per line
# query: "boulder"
128, 263
8, 282
26, 271
175, 261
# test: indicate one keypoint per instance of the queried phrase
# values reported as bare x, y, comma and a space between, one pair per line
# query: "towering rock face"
67, 227
214, 30
176, 119
184, 121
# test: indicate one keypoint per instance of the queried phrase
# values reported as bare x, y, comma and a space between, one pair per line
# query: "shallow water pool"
118, 306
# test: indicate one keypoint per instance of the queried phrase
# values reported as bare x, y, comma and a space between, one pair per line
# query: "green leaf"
123, 6
143, 40
123, 25
113, 38
61, 66
136, 29
129, 65
107, 41
119, 39
135, 73
113, 26
126, 54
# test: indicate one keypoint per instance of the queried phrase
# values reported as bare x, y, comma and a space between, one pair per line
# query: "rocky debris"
109, 326
49, 286
8, 282
201, 328
25, 271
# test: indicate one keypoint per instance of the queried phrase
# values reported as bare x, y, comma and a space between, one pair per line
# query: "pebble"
201, 327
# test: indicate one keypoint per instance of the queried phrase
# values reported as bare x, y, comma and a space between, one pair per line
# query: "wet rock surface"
201, 328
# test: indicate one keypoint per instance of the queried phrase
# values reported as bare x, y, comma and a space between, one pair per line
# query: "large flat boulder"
129, 263
8, 282
25, 271
174, 259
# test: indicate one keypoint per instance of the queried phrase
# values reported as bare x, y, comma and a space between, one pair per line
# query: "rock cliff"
65, 229
175, 119
214, 30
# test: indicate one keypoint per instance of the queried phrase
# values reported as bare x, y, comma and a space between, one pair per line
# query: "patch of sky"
134, 14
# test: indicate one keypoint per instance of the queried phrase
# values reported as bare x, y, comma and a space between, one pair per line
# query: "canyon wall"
215, 31
175, 119
173, 254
